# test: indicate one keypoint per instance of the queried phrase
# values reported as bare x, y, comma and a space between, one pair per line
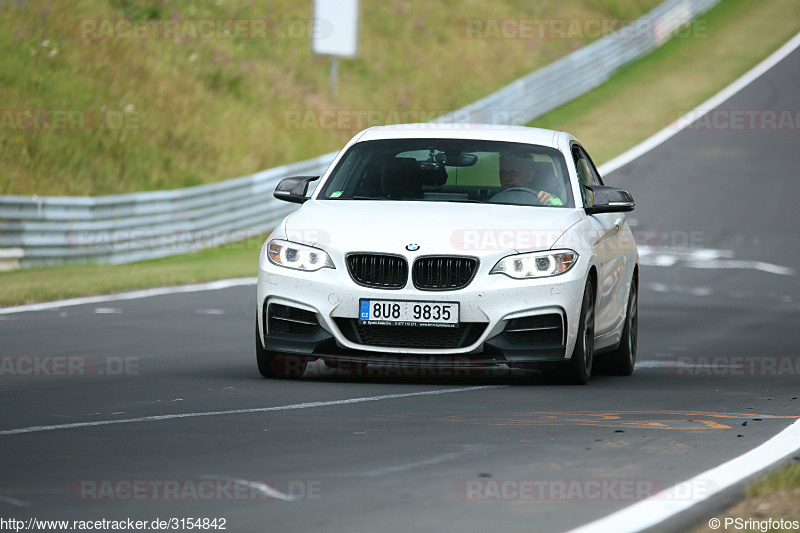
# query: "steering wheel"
525, 189
512, 190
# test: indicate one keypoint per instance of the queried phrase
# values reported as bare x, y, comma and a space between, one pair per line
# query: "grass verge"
634, 104
647, 95
181, 103
239, 259
772, 497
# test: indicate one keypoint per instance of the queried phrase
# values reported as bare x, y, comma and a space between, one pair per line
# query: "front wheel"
579, 368
622, 360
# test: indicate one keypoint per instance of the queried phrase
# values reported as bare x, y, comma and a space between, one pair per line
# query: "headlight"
297, 256
536, 264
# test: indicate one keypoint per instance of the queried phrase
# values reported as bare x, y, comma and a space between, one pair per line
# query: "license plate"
407, 313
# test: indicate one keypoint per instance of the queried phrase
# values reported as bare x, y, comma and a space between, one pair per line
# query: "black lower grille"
291, 320
378, 270
421, 337
443, 273
539, 329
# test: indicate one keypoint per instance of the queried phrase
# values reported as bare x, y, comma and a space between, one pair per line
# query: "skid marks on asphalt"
620, 420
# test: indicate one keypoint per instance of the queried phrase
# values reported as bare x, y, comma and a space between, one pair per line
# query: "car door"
607, 245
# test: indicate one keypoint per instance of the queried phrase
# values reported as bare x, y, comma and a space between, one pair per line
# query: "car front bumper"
494, 313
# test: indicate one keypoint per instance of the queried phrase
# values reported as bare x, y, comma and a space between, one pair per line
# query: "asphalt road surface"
170, 418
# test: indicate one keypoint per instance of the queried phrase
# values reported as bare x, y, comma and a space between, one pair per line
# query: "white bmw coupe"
472, 246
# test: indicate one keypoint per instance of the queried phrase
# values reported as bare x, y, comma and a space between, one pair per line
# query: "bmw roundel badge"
412, 247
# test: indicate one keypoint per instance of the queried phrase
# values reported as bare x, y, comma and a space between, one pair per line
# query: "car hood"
436, 227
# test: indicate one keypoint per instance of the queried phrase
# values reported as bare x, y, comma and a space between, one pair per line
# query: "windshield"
451, 170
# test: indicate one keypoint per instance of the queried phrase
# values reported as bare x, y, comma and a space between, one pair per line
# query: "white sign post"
336, 35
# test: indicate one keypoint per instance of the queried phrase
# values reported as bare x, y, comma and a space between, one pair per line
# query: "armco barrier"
38, 231
134, 227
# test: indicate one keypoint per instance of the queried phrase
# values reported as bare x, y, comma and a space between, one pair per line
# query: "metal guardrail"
39, 231
133, 227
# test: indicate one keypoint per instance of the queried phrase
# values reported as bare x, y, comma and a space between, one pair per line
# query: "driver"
516, 170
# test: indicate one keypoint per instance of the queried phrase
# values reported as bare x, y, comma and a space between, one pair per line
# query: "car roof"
490, 132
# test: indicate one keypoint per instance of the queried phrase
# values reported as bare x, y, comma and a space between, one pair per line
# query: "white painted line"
704, 258
671, 260
662, 506
701, 110
14, 501
263, 488
309, 405
425, 463
663, 364
107, 311
751, 265
714, 365
686, 253
131, 295
266, 490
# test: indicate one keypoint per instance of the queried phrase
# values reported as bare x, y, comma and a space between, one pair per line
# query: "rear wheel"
622, 360
579, 368
276, 365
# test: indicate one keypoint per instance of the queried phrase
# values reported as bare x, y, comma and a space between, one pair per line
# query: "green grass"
773, 496
630, 107
647, 95
787, 479
162, 113
235, 260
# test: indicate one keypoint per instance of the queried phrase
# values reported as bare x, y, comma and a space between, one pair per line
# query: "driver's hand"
545, 197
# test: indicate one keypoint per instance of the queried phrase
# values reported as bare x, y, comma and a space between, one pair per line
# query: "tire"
622, 360
275, 365
578, 369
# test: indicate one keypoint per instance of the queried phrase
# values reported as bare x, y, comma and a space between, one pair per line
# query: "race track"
717, 218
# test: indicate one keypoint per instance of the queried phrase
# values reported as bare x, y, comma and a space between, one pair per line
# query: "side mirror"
293, 189
602, 199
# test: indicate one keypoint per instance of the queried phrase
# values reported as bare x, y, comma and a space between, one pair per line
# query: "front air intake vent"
290, 320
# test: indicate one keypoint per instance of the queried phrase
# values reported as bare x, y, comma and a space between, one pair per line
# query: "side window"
587, 173
583, 171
